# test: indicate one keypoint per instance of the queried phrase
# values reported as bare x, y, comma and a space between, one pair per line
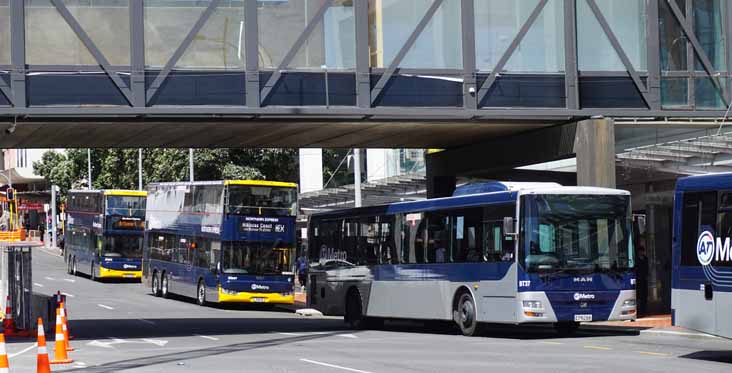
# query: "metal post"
327, 94
53, 216
88, 167
139, 169
190, 163
357, 176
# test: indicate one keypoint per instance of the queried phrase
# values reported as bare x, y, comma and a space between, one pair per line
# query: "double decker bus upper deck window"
133, 206
266, 200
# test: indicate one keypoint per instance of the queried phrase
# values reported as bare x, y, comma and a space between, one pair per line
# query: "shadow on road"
716, 356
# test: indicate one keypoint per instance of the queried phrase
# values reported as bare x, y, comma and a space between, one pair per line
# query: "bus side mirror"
509, 227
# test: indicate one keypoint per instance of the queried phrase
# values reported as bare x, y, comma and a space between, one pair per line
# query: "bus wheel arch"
465, 311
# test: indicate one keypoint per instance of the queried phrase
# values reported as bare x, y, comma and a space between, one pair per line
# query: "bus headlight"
229, 292
532, 304
629, 303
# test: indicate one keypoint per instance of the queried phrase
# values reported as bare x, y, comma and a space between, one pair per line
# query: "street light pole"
88, 168
190, 163
357, 176
54, 188
139, 169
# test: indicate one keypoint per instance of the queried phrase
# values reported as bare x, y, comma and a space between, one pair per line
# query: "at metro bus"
494, 253
701, 296
104, 230
229, 241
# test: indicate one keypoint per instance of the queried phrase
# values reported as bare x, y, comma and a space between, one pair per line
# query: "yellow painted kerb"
130, 193
247, 297
261, 183
114, 273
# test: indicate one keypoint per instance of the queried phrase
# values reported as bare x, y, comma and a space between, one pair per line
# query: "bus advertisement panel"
519, 253
222, 241
104, 231
702, 254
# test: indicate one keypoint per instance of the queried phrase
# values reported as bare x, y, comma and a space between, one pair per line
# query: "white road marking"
652, 353
333, 366
115, 341
50, 278
207, 337
598, 348
23, 351
147, 321
105, 306
347, 336
69, 280
67, 294
672, 332
37, 284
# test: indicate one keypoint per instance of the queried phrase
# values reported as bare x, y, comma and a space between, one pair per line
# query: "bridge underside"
173, 132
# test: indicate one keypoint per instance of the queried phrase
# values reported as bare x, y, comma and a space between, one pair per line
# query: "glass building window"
674, 92
708, 29
627, 20
51, 41
497, 22
391, 22
673, 41
331, 43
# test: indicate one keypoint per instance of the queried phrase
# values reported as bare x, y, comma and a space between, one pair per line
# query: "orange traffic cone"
42, 365
61, 357
65, 326
4, 367
8, 322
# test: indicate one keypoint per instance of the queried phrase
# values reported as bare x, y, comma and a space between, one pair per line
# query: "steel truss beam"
379, 87
275, 77
17, 53
152, 91
696, 45
619, 50
251, 51
92, 48
488, 83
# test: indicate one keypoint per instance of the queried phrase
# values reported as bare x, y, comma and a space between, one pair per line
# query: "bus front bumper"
249, 297
115, 273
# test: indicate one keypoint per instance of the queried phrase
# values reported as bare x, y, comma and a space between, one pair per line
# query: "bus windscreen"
132, 206
260, 258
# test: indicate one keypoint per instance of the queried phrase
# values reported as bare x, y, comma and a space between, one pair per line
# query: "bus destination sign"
263, 224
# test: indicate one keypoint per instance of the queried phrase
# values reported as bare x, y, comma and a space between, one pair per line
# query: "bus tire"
354, 310
69, 266
155, 284
201, 293
465, 314
93, 273
73, 267
164, 286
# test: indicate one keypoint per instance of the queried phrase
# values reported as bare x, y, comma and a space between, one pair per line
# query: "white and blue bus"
104, 230
702, 254
495, 253
226, 241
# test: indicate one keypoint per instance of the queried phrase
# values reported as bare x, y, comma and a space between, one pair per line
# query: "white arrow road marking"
117, 341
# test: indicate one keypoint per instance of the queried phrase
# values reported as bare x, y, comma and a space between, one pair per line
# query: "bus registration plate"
258, 300
581, 318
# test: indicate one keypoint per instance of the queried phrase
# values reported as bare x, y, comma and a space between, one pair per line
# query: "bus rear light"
628, 312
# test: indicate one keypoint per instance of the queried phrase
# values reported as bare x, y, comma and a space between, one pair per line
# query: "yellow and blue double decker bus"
226, 241
104, 230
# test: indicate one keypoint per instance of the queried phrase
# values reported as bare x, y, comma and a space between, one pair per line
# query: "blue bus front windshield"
576, 234
254, 258
132, 206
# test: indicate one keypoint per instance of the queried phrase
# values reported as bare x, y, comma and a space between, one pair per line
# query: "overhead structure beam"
251, 50
488, 83
571, 84
363, 71
17, 53
381, 84
173, 60
137, 52
277, 74
620, 51
653, 82
92, 48
467, 18
713, 74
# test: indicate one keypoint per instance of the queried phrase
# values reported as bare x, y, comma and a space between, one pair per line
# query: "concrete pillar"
594, 145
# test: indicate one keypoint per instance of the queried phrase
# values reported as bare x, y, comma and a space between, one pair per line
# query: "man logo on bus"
708, 248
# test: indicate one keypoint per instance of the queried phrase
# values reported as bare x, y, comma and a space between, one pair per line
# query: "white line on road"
207, 337
105, 306
69, 280
147, 321
671, 332
50, 278
23, 351
334, 366
37, 284
68, 295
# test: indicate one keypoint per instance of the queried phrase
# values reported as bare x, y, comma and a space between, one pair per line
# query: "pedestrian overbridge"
333, 73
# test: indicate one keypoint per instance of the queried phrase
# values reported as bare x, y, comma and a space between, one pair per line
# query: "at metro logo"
709, 249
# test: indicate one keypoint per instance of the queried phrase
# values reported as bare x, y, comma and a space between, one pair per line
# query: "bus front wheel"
155, 285
354, 311
201, 298
465, 315
164, 286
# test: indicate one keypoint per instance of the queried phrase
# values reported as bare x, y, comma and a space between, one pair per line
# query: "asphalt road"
121, 327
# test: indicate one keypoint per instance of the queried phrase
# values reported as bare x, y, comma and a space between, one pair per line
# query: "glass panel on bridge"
497, 23
707, 94
51, 41
627, 19
220, 43
331, 44
391, 22
675, 92
673, 41
166, 25
708, 29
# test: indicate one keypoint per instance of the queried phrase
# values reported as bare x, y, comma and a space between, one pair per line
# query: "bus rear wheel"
73, 267
354, 311
465, 315
164, 286
69, 266
201, 294
93, 272
155, 285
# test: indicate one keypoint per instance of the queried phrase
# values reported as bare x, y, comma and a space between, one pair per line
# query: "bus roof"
705, 182
227, 182
500, 197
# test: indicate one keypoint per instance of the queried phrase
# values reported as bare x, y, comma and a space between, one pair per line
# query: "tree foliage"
118, 168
